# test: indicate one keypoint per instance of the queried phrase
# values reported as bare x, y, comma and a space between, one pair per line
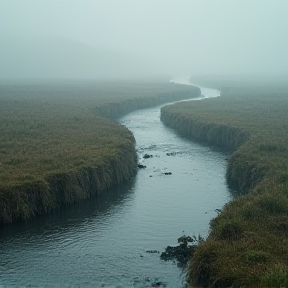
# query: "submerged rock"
141, 166
168, 173
148, 282
171, 154
152, 251
146, 156
183, 252
157, 284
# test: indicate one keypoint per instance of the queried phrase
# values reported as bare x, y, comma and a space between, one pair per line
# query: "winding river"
103, 242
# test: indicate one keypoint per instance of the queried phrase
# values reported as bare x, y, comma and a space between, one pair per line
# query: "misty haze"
143, 143
122, 39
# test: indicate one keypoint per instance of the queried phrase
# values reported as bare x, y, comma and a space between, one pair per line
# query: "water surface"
104, 241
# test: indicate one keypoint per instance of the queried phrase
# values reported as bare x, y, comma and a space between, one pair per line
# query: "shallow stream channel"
103, 242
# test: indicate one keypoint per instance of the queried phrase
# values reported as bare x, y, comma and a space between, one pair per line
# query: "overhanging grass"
248, 242
57, 145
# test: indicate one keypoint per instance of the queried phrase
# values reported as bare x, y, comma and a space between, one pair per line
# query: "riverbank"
247, 245
58, 145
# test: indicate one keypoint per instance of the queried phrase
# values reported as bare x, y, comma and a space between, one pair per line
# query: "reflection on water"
104, 241
72, 216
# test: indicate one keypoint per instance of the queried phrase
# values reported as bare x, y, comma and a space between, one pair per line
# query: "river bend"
103, 242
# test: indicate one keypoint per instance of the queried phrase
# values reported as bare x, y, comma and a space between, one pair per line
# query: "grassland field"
248, 241
60, 143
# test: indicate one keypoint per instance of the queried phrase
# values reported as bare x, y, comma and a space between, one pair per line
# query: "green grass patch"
58, 144
276, 276
248, 242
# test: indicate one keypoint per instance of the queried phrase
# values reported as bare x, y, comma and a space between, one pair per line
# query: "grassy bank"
57, 145
248, 241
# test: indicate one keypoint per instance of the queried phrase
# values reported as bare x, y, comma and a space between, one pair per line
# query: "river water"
103, 242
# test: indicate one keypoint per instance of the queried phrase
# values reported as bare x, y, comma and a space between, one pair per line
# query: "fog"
142, 38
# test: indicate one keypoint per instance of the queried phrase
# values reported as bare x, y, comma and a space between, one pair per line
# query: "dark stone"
141, 166
146, 156
158, 284
152, 251
183, 252
171, 154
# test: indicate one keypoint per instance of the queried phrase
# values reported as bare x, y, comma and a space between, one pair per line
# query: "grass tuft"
229, 230
253, 256
276, 276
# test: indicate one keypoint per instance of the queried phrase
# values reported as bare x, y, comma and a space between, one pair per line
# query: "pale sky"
175, 37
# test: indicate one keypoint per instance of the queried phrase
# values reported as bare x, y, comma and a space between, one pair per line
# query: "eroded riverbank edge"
243, 247
32, 198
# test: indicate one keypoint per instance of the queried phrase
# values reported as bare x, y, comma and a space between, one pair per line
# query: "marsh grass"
58, 144
248, 242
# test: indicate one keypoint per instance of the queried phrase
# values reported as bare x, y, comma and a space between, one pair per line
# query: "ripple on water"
103, 242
